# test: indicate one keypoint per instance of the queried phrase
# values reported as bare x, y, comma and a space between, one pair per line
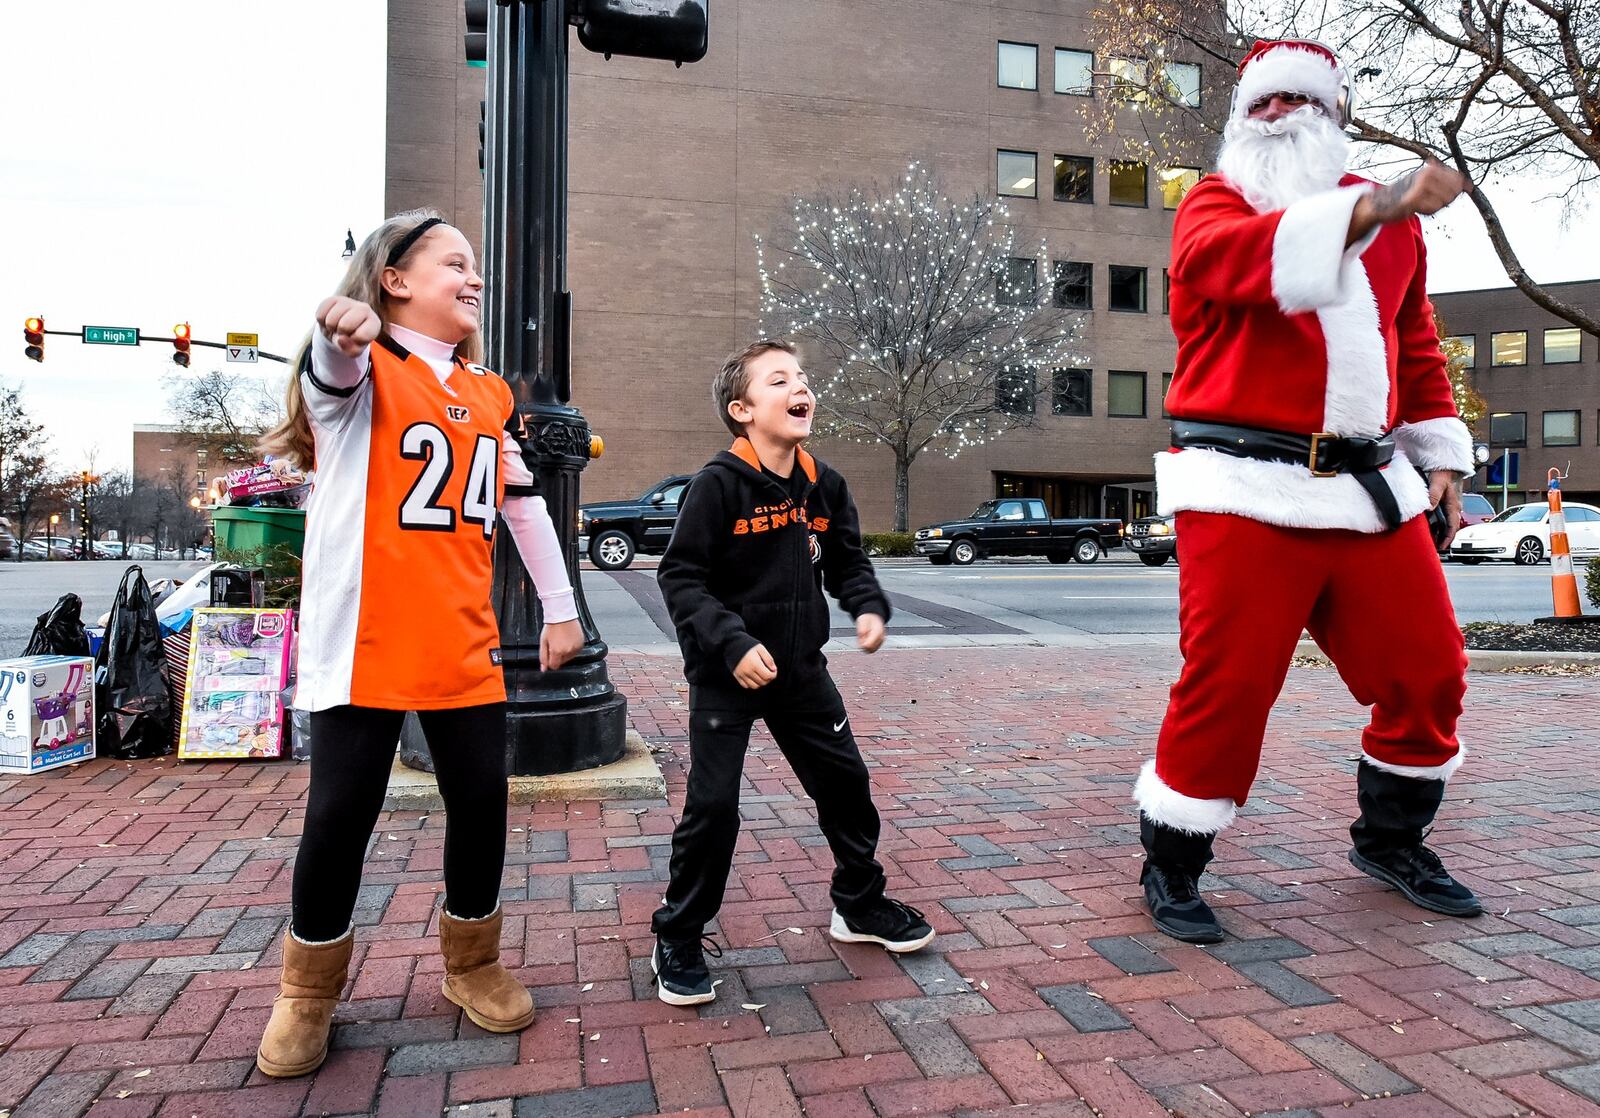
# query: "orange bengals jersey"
395, 605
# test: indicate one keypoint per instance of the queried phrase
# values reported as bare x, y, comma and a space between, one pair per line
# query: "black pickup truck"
619, 530
1016, 526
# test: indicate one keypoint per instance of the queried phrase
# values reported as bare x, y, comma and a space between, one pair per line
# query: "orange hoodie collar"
743, 450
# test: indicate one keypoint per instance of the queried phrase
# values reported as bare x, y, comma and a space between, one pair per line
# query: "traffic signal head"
33, 334
477, 43
180, 344
675, 30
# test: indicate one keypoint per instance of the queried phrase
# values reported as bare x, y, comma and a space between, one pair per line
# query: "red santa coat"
1279, 325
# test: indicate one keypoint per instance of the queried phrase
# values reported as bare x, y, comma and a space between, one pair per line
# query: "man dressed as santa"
1314, 429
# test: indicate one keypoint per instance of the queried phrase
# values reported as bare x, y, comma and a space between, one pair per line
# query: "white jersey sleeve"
333, 384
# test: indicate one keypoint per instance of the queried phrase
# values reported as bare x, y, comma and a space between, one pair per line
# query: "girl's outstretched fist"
348, 323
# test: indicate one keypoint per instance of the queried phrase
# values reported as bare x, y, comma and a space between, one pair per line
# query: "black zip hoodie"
748, 562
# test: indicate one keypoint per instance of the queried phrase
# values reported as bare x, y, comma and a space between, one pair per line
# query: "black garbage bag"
131, 699
60, 631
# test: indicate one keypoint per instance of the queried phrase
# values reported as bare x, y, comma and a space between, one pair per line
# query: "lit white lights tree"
926, 329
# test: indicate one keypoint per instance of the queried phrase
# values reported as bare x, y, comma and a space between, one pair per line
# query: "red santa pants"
1376, 604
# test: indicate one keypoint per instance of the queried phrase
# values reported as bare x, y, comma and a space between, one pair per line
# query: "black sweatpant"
808, 720
352, 752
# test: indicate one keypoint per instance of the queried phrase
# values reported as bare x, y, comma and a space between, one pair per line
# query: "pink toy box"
46, 713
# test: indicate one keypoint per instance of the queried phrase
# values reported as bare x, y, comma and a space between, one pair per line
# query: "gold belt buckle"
1312, 462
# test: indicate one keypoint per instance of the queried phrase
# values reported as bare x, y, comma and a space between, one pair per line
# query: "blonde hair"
733, 381
292, 439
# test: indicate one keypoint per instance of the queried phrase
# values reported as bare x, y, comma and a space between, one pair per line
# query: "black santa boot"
1174, 860
1395, 812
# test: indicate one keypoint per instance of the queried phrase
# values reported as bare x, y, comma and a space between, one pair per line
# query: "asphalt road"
1115, 601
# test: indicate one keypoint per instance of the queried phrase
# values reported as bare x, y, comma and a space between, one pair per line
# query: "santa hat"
1292, 66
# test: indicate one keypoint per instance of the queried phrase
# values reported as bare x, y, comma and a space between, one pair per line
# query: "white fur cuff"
1173, 809
1420, 772
348, 932
1308, 250
1437, 444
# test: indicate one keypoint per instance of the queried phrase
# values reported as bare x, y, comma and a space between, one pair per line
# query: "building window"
1018, 66
1127, 79
1018, 174
1561, 428
1508, 348
1069, 392
1018, 283
1182, 83
1468, 344
1074, 178
1125, 395
1176, 182
1129, 185
1075, 72
1508, 428
1563, 347
1014, 392
1166, 292
1126, 288
1073, 284
1166, 386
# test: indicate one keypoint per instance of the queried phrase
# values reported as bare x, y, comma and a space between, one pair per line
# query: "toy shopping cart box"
238, 668
46, 713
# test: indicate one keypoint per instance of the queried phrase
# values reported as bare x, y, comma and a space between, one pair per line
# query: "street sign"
1497, 469
244, 339
111, 335
243, 354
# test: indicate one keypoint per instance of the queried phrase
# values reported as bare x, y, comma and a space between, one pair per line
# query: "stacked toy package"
238, 668
46, 713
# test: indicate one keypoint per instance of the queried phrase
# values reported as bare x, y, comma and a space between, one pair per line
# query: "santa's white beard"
1276, 163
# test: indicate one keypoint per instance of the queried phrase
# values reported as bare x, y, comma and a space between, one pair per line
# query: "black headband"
411, 238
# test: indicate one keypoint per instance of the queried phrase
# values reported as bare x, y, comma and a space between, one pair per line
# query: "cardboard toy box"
46, 713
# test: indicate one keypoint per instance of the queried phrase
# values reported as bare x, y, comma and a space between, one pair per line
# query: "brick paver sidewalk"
141, 905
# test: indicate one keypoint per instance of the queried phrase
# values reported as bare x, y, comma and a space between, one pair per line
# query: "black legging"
352, 752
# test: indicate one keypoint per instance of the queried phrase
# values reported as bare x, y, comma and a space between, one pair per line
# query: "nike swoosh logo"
840, 726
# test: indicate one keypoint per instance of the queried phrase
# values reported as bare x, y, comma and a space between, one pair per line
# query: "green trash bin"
254, 532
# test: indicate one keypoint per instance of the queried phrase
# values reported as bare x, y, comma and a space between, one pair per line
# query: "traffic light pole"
573, 718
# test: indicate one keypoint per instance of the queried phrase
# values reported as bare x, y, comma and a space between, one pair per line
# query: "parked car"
1016, 526
8, 544
1475, 509
48, 547
1154, 539
1522, 534
619, 530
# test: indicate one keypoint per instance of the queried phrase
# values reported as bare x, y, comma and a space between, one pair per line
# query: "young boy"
762, 529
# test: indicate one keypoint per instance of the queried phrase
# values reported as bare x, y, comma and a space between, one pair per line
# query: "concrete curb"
635, 777
1490, 660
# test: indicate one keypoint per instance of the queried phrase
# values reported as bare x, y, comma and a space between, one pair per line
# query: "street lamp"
50, 536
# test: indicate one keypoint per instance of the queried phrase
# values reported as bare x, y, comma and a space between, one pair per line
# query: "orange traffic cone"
1563, 584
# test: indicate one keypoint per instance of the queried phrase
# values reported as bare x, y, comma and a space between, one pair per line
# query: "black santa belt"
1325, 455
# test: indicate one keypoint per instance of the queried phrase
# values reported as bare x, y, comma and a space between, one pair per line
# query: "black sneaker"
1417, 872
681, 974
891, 925
1176, 906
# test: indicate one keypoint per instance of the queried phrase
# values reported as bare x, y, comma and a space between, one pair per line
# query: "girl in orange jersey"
416, 459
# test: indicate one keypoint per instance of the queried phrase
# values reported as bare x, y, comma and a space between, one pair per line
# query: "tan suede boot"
296, 1040
474, 978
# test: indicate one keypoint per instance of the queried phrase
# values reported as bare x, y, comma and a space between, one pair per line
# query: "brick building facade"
1540, 376
674, 171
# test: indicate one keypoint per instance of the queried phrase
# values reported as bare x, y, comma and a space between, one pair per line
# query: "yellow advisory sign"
244, 339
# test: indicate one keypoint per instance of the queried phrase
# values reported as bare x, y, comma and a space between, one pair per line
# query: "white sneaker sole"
669, 997
840, 931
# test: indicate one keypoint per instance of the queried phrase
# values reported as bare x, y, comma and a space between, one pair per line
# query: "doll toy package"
46, 713
238, 666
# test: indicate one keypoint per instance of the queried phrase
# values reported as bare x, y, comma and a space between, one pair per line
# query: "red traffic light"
180, 344
33, 334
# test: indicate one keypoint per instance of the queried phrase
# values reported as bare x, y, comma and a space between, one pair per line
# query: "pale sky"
200, 161
187, 160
